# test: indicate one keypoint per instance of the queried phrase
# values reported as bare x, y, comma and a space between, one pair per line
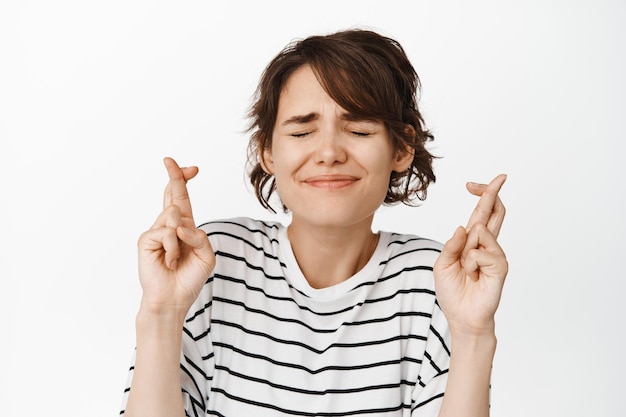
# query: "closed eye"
361, 134
300, 135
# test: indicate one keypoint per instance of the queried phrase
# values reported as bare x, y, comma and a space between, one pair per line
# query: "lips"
331, 182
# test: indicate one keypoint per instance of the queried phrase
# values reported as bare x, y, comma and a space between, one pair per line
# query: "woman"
324, 316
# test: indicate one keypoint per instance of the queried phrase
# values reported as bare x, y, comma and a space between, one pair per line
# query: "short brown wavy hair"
367, 74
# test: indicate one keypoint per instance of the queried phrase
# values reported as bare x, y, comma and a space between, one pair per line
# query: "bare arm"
175, 259
469, 276
156, 389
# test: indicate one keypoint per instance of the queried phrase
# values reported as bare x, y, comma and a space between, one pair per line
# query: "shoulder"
237, 231
409, 246
410, 259
241, 226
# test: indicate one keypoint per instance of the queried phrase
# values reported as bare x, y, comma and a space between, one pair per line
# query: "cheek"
284, 171
379, 161
381, 169
288, 159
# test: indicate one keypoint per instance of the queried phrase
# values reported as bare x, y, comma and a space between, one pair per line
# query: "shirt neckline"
296, 278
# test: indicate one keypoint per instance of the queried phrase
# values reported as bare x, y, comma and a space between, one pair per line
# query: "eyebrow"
306, 118
301, 119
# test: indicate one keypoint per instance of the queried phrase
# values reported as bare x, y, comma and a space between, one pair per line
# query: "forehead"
303, 94
348, 95
302, 84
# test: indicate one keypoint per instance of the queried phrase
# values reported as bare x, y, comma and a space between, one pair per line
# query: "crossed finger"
176, 192
489, 211
483, 255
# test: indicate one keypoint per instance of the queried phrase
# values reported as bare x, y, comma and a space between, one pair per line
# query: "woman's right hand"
175, 258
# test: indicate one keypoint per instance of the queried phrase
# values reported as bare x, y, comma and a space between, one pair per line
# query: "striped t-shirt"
259, 341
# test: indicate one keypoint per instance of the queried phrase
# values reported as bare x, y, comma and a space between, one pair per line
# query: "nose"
330, 148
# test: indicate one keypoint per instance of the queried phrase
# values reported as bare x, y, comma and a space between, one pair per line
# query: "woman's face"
331, 168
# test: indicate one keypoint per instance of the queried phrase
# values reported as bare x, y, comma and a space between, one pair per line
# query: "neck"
330, 255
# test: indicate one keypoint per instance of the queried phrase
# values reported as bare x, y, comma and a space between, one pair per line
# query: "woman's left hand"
471, 269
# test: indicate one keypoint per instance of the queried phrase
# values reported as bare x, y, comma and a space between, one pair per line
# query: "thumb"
451, 252
199, 243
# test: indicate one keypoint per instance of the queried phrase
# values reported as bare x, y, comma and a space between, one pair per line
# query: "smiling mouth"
331, 182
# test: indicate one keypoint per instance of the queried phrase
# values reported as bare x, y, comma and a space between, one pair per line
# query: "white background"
94, 94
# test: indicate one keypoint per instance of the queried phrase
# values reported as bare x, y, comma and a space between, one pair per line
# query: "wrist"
469, 343
158, 318
473, 330
161, 310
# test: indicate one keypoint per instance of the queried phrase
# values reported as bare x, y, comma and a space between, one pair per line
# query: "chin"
331, 212
333, 217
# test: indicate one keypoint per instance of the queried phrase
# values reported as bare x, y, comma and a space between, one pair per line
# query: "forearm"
467, 390
155, 388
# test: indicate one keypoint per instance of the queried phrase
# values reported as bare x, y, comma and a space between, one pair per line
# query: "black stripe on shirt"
330, 313
386, 261
441, 339
200, 400
312, 349
303, 324
376, 411
319, 370
313, 392
411, 239
434, 397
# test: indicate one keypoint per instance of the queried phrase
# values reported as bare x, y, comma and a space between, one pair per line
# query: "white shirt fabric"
260, 341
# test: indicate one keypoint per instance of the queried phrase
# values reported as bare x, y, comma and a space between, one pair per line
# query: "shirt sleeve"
194, 374
129, 379
433, 376
196, 358
193, 395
